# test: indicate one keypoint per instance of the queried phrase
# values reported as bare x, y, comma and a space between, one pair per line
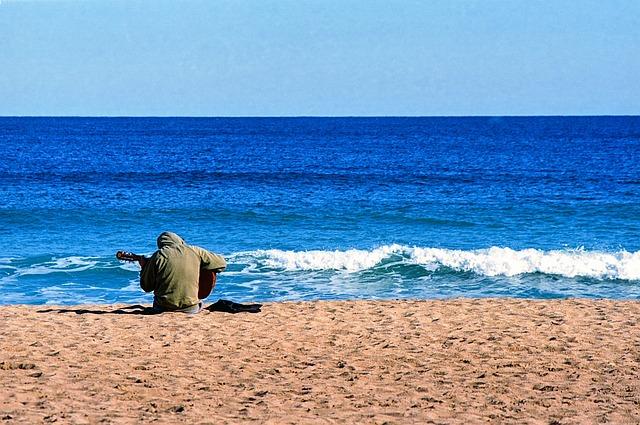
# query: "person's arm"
147, 275
210, 261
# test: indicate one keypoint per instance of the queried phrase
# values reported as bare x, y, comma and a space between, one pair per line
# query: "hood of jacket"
169, 238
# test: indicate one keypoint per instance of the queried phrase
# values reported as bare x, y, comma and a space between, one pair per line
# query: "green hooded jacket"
173, 271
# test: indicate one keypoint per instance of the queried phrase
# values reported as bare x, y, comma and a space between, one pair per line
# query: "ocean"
324, 208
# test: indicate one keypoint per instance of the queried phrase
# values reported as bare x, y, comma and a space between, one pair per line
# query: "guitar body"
206, 281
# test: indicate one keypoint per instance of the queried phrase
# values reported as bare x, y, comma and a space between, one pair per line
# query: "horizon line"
327, 116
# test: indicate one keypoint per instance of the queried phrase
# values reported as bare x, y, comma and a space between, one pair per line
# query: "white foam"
352, 260
66, 265
131, 267
494, 261
508, 262
7, 260
132, 286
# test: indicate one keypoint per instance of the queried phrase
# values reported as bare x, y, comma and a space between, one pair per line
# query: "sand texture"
455, 361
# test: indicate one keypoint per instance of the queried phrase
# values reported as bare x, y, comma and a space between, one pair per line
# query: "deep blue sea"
324, 208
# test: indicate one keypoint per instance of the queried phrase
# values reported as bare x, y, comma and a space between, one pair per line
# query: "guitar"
206, 281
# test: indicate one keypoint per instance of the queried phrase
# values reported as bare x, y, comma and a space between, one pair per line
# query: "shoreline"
461, 360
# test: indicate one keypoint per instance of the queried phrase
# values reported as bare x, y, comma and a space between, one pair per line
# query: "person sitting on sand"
173, 271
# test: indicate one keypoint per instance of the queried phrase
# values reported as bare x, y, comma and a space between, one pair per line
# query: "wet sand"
455, 361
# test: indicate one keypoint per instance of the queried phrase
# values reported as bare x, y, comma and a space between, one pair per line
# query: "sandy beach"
393, 362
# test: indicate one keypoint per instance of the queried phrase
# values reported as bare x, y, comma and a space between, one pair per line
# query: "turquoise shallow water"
324, 208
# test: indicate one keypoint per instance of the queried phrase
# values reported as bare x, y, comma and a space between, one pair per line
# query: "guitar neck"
129, 256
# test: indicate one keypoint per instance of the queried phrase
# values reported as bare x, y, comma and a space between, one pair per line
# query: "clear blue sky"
324, 57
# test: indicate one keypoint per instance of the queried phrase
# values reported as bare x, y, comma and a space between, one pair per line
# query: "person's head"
169, 238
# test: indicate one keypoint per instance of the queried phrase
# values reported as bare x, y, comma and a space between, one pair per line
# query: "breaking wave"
494, 261
387, 272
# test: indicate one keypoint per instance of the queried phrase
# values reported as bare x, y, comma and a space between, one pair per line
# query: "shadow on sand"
223, 306
132, 309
